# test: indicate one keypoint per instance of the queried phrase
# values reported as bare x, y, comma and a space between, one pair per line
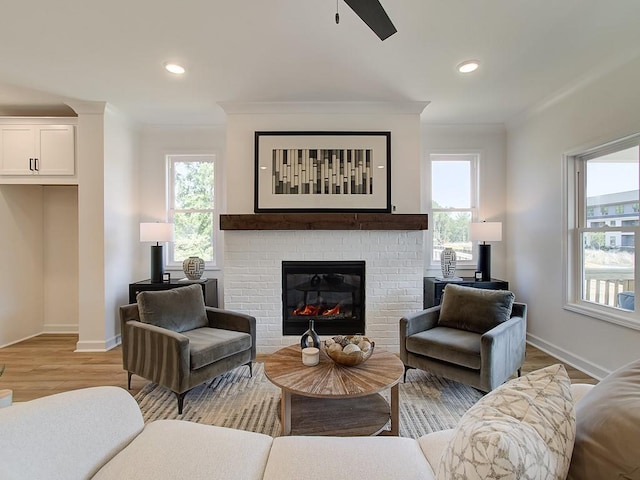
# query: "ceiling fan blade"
372, 13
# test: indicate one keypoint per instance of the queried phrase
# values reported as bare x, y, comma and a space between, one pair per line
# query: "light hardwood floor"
47, 364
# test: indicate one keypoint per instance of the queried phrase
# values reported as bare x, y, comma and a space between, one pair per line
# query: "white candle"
310, 356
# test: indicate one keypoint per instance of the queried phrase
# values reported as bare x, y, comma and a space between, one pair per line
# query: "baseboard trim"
60, 328
20, 340
97, 345
590, 368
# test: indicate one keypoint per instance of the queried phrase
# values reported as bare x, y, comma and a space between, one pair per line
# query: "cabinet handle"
31, 164
36, 164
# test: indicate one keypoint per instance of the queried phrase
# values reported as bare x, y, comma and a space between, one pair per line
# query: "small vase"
310, 338
448, 262
193, 267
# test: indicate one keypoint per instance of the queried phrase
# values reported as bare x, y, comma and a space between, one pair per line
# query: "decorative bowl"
349, 359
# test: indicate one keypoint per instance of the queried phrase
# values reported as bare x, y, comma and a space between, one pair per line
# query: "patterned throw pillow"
522, 430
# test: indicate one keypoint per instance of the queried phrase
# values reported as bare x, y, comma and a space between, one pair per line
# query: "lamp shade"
156, 232
486, 231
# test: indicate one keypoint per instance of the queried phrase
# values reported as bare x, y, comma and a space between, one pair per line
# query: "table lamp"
156, 232
485, 232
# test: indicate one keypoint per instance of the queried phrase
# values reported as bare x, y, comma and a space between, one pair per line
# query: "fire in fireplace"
329, 293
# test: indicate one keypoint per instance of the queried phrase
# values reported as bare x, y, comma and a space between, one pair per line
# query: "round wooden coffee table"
329, 399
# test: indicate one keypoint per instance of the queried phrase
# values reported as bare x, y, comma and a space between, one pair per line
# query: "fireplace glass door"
329, 293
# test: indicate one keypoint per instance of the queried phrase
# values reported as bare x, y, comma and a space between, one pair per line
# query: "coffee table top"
285, 369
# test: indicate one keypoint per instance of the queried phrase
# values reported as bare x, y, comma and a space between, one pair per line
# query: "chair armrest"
502, 351
157, 354
228, 320
420, 321
414, 323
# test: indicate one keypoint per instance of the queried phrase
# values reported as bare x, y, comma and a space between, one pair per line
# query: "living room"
522, 184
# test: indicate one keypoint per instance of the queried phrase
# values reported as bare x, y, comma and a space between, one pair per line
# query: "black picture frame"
322, 171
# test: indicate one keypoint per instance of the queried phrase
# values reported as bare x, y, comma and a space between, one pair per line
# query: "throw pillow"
608, 428
474, 309
522, 430
178, 309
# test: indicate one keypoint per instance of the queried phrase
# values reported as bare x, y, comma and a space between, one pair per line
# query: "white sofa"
99, 433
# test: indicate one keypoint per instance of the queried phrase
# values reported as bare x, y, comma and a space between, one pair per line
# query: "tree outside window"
453, 203
192, 207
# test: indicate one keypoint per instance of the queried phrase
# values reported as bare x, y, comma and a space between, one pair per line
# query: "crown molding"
240, 108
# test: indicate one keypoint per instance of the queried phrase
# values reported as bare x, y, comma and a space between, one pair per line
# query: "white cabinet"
37, 150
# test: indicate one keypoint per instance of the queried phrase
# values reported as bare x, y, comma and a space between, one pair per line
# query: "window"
601, 258
454, 180
191, 206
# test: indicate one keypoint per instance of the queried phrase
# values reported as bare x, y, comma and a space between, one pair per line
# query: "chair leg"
129, 375
519, 372
180, 401
406, 368
250, 365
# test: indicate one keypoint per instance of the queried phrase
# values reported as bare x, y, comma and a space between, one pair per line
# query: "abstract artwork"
322, 171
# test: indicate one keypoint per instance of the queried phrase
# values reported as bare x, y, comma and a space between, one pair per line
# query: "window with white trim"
602, 227
454, 200
192, 207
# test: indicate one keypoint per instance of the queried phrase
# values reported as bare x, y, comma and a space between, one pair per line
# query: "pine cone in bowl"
349, 350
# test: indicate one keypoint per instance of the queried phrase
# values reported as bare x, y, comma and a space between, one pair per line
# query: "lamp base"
157, 264
484, 261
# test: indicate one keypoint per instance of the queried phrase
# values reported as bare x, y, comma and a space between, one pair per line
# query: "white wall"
604, 110
21, 257
155, 144
60, 269
107, 229
490, 142
120, 217
405, 148
91, 253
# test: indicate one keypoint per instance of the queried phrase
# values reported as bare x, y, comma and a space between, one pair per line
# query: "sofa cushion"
459, 347
523, 429
178, 449
474, 309
178, 309
355, 458
67, 435
608, 428
208, 345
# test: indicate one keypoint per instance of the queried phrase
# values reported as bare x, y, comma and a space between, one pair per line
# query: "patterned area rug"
427, 403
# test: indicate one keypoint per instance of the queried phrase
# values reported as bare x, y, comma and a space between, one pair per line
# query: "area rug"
427, 403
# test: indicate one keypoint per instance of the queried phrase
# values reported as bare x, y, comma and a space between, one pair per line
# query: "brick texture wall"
394, 272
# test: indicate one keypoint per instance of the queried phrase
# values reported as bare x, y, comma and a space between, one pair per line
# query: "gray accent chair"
172, 339
476, 337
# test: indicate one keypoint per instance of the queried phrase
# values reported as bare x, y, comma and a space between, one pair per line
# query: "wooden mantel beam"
324, 221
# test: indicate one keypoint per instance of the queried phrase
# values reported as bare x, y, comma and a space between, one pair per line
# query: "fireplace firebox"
331, 293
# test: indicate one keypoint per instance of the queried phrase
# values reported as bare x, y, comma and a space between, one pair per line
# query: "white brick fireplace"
394, 273
252, 268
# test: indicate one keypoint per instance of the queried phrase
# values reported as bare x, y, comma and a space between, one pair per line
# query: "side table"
209, 288
433, 288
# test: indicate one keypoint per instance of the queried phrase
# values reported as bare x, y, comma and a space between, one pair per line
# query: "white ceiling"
292, 51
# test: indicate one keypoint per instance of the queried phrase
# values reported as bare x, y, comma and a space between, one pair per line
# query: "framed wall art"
322, 172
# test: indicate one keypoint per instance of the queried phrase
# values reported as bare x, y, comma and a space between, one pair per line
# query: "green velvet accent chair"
476, 337
171, 338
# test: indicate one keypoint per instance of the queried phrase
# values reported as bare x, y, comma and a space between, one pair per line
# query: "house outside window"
192, 208
454, 200
601, 273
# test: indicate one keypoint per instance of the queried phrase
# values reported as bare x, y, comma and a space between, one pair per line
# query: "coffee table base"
345, 417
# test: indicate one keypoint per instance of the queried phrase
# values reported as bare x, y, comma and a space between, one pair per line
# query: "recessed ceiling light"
174, 68
468, 66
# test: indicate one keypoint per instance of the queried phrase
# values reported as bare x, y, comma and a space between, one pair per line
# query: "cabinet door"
55, 145
17, 150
